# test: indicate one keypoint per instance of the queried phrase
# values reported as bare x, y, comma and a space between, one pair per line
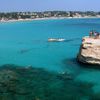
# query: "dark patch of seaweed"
29, 83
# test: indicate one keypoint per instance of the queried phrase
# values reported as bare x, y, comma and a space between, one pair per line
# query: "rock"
20, 83
8, 79
65, 76
89, 52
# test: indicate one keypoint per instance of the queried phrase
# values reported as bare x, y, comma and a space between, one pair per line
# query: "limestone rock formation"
89, 52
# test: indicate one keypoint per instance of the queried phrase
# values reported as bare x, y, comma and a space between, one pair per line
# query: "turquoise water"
25, 43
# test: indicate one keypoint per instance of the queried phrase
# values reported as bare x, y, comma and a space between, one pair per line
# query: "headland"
89, 52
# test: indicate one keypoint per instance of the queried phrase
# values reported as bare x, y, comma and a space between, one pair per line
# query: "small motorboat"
56, 40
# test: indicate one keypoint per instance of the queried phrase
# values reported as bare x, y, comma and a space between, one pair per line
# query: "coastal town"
6, 16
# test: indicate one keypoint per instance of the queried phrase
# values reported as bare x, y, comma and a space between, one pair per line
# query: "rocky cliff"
89, 51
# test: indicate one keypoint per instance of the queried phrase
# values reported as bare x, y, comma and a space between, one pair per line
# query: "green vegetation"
46, 14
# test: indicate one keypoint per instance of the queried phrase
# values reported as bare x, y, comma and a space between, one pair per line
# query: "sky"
49, 5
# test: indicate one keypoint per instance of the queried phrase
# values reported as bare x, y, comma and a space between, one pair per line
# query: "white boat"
56, 39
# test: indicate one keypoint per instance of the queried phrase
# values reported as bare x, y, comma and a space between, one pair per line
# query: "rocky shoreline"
89, 52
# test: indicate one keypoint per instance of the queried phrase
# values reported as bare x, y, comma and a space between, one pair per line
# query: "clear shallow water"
25, 43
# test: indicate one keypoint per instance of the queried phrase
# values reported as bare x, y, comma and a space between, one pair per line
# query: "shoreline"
50, 18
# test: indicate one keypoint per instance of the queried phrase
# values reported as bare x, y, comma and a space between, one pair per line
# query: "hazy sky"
44, 5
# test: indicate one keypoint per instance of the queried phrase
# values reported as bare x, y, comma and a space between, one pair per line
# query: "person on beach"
97, 35
91, 33
94, 34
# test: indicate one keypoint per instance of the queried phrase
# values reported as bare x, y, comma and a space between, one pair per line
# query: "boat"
56, 40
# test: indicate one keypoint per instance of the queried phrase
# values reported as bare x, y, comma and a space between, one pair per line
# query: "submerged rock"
89, 52
65, 76
21, 83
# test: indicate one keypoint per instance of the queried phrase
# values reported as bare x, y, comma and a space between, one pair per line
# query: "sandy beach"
14, 20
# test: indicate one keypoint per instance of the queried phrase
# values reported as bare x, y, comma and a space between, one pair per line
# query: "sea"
25, 43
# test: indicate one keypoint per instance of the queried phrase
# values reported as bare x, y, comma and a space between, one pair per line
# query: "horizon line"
50, 11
